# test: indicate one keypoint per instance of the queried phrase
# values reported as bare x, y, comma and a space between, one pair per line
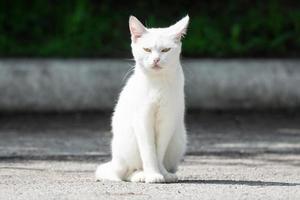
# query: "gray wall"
70, 85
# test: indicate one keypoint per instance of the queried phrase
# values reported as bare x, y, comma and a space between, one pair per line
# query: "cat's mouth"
156, 67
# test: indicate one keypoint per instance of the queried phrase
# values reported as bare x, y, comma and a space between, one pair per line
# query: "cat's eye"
147, 50
165, 50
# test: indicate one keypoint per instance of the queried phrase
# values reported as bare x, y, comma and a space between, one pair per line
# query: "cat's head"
156, 49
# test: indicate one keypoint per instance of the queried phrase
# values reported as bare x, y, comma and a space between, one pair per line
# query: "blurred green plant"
90, 28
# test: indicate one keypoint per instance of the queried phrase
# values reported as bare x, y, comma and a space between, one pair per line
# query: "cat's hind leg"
170, 149
175, 151
113, 170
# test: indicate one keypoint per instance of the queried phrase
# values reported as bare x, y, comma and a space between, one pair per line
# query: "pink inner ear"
181, 34
137, 29
135, 33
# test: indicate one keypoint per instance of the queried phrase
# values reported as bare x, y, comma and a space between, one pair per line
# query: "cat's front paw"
170, 177
137, 176
154, 178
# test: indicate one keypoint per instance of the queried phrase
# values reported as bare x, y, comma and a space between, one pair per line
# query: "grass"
90, 28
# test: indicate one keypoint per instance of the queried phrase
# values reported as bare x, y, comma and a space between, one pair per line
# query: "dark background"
90, 28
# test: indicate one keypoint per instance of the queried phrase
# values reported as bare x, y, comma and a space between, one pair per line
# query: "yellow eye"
165, 50
147, 50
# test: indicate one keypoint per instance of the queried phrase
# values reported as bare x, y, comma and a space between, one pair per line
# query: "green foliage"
90, 28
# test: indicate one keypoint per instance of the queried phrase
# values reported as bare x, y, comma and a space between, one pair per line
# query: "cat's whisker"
129, 59
128, 72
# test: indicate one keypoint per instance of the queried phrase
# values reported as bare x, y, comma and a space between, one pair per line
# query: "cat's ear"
137, 29
179, 29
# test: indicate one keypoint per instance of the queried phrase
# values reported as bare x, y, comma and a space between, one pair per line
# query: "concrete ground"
237, 155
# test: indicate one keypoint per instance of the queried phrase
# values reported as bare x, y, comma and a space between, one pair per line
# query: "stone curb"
83, 84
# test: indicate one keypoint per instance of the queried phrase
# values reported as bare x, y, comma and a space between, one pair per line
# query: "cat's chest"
155, 92
160, 94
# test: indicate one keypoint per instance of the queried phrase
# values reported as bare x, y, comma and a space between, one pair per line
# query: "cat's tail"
110, 171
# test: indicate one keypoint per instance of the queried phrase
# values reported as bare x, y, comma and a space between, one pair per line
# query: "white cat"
149, 136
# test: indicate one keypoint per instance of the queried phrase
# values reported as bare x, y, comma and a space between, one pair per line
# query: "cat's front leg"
144, 131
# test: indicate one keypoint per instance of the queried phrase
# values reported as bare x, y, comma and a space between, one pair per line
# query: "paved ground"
230, 156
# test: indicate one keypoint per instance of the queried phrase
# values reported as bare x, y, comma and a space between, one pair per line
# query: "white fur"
149, 136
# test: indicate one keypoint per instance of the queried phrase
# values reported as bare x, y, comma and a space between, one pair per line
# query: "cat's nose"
156, 60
